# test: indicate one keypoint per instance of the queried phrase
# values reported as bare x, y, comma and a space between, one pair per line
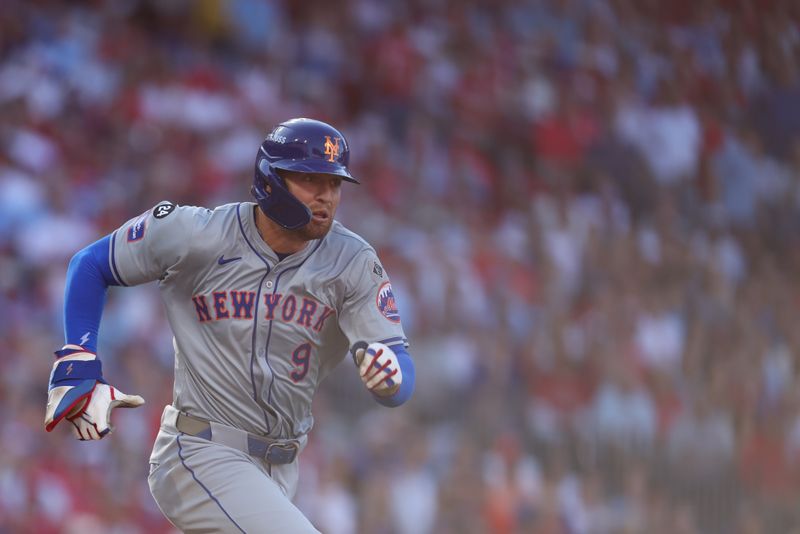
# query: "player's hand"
79, 394
378, 368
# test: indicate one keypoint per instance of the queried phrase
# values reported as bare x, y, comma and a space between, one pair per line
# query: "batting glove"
78, 393
378, 368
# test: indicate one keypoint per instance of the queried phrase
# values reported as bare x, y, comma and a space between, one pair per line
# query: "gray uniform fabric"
253, 338
202, 486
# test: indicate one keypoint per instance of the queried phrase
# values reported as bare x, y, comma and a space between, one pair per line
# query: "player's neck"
279, 239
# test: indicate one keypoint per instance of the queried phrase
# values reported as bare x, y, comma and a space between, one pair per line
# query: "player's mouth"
322, 216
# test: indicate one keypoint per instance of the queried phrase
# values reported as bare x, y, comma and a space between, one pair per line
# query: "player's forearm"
88, 278
407, 386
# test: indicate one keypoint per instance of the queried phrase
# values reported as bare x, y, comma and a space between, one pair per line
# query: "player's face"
321, 193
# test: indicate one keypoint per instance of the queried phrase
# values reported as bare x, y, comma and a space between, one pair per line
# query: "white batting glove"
378, 368
79, 394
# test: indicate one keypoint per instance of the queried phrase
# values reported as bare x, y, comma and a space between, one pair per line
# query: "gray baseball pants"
204, 487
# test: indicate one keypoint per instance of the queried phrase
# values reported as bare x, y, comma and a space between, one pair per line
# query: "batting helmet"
303, 145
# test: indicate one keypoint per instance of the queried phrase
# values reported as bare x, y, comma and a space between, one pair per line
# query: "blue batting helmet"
302, 145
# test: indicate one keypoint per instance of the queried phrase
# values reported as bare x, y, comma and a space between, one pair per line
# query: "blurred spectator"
701, 440
623, 413
414, 493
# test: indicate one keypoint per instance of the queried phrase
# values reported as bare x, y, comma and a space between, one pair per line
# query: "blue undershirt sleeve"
88, 278
407, 386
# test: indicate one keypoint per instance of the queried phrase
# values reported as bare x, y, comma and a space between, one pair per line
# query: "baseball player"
263, 299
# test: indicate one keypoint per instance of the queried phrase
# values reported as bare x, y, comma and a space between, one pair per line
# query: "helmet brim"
315, 165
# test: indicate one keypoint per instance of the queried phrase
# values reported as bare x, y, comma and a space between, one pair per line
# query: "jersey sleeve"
369, 310
146, 247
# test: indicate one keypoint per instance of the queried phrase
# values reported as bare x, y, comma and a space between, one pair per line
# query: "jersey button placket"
268, 284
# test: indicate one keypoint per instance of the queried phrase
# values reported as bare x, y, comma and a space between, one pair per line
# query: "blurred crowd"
589, 209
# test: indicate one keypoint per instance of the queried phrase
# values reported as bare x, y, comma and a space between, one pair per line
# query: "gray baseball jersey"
254, 335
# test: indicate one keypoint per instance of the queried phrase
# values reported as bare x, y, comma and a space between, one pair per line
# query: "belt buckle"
281, 453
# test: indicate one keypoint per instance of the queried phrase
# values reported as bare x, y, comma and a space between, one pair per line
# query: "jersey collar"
247, 222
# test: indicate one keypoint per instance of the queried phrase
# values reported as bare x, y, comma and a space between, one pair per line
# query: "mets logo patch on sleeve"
386, 303
136, 231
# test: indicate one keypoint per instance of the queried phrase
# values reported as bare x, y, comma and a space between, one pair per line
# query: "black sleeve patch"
163, 209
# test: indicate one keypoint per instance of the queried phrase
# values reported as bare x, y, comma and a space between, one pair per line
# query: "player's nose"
326, 191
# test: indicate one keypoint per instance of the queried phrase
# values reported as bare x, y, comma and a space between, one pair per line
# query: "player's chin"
316, 229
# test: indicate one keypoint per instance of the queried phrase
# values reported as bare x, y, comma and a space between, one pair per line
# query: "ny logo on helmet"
331, 148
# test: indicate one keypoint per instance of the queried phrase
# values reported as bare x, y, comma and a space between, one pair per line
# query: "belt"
273, 451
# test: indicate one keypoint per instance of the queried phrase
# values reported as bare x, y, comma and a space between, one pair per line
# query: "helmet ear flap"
275, 200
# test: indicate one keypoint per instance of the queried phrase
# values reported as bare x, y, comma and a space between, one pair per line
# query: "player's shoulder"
353, 259
188, 226
226, 212
347, 241
167, 212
